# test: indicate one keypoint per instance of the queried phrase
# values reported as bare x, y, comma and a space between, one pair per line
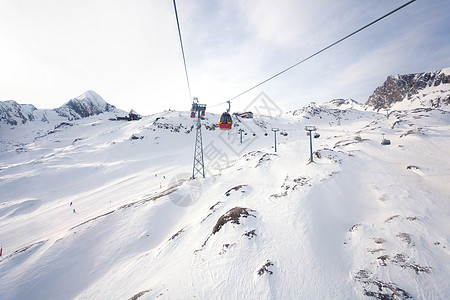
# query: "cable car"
225, 122
196, 107
385, 141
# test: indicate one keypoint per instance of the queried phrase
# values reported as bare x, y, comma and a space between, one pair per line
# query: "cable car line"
318, 52
182, 51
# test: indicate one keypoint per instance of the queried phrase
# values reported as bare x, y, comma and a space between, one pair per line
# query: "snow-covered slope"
331, 113
99, 209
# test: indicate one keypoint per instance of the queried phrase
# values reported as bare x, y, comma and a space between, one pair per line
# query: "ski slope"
363, 220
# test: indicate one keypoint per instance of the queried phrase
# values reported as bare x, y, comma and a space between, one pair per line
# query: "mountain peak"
343, 104
90, 95
398, 88
87, 104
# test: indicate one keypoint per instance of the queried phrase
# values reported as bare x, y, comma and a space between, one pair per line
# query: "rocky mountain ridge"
399, 92
12, 112
413, 88
87, 104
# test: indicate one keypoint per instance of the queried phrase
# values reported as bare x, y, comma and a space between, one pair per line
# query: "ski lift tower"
198, 166
309, 130
275, 135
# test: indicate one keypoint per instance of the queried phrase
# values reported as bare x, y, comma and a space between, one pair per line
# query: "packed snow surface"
100, 209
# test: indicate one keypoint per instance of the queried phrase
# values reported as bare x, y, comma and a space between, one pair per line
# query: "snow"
90, 94
16, 112
362, 215
426, 97
343, 104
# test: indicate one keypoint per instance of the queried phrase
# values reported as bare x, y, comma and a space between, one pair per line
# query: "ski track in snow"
363, 220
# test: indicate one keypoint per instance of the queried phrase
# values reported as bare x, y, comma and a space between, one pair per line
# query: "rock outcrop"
405, 87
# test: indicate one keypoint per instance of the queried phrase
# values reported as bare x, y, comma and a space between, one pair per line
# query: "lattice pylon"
199, 166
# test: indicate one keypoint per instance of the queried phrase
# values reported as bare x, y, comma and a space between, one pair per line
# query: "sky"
129, 53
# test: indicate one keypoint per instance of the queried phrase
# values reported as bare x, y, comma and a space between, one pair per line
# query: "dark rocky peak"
88, 104
400, 87
13, 113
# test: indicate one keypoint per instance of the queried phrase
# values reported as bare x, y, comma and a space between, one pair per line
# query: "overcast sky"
128, 50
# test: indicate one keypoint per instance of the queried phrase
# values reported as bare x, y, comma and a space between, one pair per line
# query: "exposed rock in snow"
343, 104
265, 268
422, 89
88, 104
13, 113
232, 216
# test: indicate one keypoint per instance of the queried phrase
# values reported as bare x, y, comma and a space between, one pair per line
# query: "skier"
74, 210
1, 251
70, 204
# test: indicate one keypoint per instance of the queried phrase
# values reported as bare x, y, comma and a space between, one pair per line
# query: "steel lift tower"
198, 110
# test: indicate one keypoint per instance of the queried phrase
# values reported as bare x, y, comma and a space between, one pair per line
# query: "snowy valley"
92, 208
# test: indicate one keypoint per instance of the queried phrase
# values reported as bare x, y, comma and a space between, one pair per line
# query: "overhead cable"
182, 51
318, 52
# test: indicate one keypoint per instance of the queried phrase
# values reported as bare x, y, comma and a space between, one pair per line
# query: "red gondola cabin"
225, 122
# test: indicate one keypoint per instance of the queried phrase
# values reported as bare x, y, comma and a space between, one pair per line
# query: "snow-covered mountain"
330, 113
98, 209
86, 105
431, 89
13, 113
